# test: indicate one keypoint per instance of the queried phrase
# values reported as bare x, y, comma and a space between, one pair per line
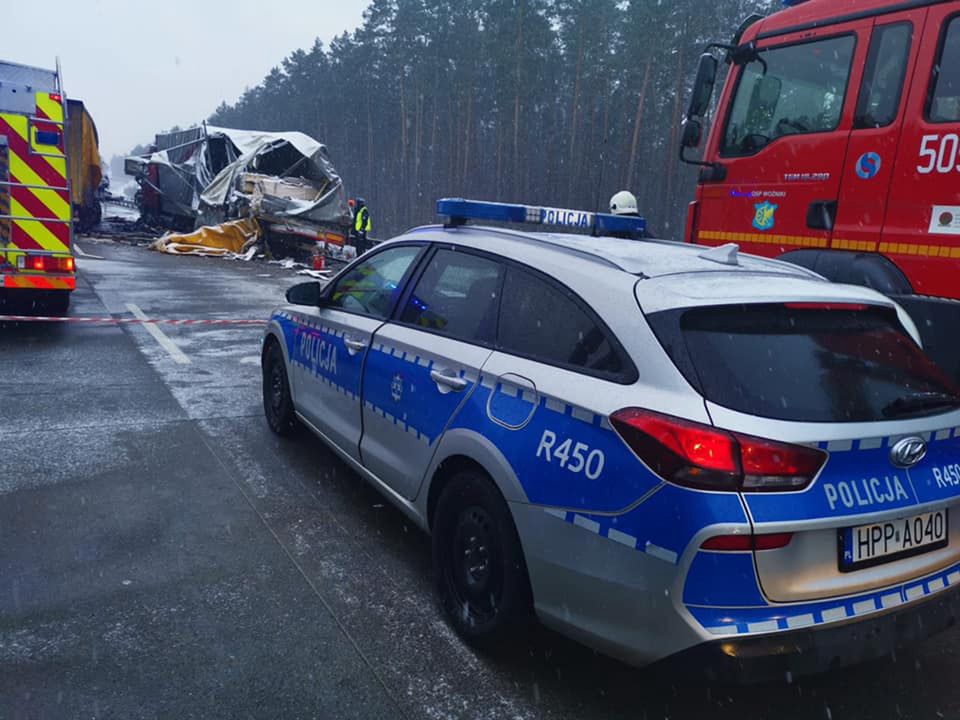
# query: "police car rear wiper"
923, 401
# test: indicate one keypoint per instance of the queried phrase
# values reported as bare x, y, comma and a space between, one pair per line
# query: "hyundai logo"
908, 452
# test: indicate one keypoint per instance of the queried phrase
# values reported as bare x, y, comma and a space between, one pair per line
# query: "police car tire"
280, 417
470, 502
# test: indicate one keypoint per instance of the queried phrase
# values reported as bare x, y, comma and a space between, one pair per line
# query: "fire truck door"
783, 142
921, 232
877, 125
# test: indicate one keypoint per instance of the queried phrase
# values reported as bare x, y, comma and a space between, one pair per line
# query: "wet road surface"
162, 555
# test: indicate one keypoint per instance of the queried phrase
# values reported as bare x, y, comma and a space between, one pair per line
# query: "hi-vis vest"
362, 221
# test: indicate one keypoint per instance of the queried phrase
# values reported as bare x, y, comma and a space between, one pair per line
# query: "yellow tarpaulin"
230, 238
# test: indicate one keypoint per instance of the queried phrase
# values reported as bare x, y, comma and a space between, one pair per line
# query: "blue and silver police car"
656, 448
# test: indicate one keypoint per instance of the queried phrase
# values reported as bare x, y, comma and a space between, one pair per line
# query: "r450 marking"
576, 457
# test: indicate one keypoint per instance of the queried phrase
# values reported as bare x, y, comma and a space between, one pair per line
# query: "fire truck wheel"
277, 402
57, 303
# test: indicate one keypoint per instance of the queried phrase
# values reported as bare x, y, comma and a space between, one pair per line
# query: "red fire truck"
836, 144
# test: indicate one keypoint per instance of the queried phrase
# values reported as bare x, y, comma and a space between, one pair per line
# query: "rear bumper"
814, 650
24, 281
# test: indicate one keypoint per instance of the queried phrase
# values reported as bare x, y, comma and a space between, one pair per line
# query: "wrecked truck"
207, 176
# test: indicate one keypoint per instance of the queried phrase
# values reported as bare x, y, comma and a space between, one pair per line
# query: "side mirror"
308, 293
703, 86
692, 133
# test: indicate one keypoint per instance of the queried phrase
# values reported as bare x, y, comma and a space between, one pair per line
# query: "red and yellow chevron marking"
39, 282
4, 195
39, 201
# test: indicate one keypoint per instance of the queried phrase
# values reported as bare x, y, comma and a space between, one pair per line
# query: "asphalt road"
162, 555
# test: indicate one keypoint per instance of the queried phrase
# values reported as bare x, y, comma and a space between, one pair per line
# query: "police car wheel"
479, 570
277, 403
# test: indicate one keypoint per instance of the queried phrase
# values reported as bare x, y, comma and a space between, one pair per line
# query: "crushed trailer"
207, 176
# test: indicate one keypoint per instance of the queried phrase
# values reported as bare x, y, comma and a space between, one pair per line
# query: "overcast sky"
142, 67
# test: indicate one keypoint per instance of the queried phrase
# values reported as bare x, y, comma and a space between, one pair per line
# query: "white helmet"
624, 203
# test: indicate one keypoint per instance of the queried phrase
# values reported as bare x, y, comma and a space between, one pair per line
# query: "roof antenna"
724, 255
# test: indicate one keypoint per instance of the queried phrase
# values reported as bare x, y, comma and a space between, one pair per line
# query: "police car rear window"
805, 363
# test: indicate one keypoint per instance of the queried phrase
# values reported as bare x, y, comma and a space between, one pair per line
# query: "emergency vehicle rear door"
877, 124
783, 143
921, 232
423, 367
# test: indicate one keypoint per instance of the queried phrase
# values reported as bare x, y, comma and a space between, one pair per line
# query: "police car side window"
944, 103
457, 295
371, 287
539, 321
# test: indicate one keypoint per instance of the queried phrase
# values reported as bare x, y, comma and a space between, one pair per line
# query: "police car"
655, 447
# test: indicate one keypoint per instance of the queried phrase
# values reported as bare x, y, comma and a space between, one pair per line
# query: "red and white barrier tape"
123, 320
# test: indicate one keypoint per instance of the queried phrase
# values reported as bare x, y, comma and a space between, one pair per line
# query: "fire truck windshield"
791, 89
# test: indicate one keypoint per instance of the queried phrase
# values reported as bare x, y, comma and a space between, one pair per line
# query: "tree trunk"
668, 204
517, 103
466, 137
637, 125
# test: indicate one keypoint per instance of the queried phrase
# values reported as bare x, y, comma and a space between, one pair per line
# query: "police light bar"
459, 211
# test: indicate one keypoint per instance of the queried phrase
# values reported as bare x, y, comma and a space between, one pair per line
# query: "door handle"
822, 214
355, 346
451, 382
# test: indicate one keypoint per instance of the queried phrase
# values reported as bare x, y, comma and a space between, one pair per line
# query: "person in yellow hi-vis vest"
361, 224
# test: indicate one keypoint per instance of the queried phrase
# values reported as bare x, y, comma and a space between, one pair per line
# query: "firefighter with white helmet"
624, 203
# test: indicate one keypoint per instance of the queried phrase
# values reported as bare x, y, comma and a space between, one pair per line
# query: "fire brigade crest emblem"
766, 216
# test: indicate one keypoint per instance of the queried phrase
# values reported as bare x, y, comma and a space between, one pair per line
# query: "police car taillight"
700, 456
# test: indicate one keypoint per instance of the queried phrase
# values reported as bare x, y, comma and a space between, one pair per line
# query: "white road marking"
81, 253
166, 343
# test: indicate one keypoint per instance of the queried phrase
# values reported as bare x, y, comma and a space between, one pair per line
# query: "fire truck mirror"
703, 86
692, 133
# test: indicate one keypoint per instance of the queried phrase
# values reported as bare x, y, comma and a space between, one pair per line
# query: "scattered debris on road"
237, 239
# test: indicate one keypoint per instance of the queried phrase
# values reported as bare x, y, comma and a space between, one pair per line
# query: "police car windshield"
805, 364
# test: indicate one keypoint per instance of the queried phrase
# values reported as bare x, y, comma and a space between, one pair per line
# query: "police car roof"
643, 258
